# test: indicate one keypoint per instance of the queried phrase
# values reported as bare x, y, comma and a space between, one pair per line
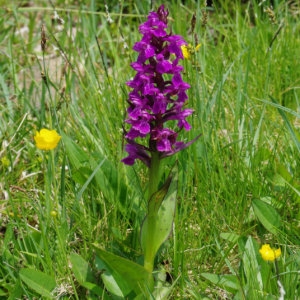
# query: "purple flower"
158, 93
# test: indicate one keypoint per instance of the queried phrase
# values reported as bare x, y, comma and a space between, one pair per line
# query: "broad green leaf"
83, 273
228, 282
40, 282
115, 284
126, 274
267, 215
158, 223
257, 271
81, 269
251, 265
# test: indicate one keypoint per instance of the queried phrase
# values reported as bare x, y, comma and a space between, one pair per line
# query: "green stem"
55, 205
48, 184
44, 213
148, 262
154, 173
279, 283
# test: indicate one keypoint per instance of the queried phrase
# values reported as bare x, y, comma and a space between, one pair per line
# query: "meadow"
67, 215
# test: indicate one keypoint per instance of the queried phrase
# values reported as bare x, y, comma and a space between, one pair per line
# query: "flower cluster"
46, 139
158, 92
268, 253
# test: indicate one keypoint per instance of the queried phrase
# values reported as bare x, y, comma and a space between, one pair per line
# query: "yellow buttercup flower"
268, 253
46, 139
185, 51
188, 50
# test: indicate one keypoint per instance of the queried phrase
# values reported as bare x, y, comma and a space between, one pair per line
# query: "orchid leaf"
121, 276
159, 221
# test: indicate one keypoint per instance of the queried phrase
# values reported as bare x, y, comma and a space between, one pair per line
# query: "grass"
245, 92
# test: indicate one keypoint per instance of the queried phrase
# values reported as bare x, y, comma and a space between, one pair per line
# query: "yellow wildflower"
268, 253
46, 139
185, 51
188, 50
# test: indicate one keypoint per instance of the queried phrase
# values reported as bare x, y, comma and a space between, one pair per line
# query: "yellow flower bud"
53, 213
46, 139
5, 161
268, 253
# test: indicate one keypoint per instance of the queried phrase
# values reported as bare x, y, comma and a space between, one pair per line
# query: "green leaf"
16, 292
251, 264
93, 168
2, 293
228, 282
96, 290
257, 271
158, 223
122, 275
40, 282
81, 269
278, 181
229, 236
284, 172
75, 154
288, 125
267, 215
83, 274
88, 181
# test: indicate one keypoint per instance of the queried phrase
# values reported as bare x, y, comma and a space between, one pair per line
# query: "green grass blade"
288, 124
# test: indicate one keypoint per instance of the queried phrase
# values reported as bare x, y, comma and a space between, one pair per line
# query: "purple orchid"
158, 92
